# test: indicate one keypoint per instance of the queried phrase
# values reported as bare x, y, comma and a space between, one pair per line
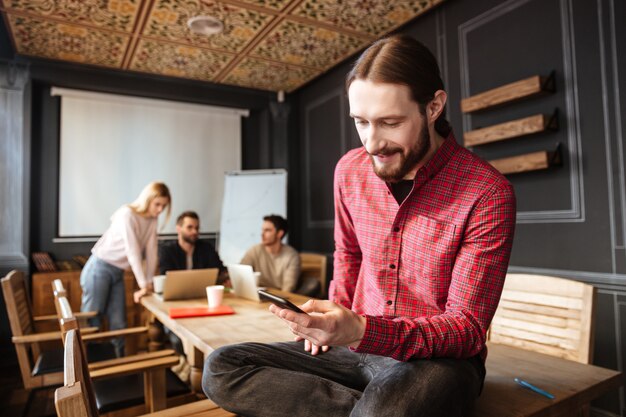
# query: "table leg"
196, 361
155, 335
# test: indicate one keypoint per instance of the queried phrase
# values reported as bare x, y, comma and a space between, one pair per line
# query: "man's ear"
436, 106
281, 234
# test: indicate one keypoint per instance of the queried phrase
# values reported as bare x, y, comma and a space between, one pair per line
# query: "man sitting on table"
423, 235
278, 263
188, 252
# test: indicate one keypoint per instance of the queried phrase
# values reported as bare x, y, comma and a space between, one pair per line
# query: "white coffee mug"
215, 294
257, 278
157, 283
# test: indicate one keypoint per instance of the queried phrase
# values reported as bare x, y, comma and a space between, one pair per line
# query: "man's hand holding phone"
324, 324
279, 301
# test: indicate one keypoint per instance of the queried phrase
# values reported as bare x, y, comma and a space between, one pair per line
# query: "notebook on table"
183, 312
188, 283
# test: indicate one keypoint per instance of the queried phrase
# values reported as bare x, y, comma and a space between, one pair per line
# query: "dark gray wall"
30, 150
14, 179
571, 218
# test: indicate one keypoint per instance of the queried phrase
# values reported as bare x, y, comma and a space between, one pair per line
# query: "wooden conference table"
572, 383
252, 322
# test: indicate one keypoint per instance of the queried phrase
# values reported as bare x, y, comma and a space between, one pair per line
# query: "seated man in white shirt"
278, 263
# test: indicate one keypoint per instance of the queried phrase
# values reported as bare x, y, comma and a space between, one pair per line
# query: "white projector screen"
113, 145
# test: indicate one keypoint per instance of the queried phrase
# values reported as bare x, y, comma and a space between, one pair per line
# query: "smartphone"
279, 301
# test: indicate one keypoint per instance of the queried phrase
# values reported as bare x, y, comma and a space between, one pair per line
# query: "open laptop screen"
243, 280
188, 283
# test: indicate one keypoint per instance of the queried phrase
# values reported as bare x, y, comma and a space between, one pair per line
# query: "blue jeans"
104, 292
281, 379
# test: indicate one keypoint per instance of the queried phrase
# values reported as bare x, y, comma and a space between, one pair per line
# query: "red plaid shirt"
427, 274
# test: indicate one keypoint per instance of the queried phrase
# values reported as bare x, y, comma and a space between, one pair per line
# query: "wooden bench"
542, 333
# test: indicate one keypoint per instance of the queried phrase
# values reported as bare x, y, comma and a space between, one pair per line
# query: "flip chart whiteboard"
248, 197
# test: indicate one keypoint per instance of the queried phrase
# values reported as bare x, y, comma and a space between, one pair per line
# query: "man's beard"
270, 242
407, 162
190, 240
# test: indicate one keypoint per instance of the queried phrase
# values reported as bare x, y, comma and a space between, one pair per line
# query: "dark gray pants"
281, 379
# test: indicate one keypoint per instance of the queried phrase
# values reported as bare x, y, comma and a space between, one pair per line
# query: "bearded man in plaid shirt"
423, 235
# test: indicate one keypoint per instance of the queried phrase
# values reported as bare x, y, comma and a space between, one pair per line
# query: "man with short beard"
423, 235
277, 262
188, 251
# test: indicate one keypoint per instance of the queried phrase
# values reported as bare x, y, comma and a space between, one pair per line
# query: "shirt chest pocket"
430, 248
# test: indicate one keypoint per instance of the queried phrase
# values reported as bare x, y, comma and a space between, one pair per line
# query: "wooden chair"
76, 397
126, 393
65, 312
39, 368
313, 266
549, 315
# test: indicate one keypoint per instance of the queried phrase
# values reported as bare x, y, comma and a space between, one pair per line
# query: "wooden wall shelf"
528, 162
512, 129
515, 91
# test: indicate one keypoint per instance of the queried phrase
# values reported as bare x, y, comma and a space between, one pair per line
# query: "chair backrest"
58, 289
67, 320
59, 292
18, 304
19, 311
65, 314
545, 314
314, 265
76, 397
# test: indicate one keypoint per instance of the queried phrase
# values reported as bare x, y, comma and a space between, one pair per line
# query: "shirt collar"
437, 161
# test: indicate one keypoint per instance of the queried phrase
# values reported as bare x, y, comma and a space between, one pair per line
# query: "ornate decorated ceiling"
266, 44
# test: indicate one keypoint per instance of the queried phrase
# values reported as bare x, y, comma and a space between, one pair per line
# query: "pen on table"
534, 388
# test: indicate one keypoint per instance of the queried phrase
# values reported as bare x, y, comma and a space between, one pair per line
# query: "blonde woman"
132, 233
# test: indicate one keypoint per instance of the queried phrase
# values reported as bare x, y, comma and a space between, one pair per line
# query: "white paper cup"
157, 283
257, 278
215, 294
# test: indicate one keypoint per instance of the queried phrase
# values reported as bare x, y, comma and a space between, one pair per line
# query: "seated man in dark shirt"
188, 252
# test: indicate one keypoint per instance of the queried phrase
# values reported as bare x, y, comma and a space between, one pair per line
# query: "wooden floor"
16, 401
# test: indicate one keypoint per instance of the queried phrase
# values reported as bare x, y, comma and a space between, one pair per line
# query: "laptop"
243, 281
188, 283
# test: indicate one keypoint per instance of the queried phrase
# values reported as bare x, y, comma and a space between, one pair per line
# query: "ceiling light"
205, 25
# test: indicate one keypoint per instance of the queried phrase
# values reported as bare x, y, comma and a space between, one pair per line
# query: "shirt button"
392, 266
389, 302
396, 229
